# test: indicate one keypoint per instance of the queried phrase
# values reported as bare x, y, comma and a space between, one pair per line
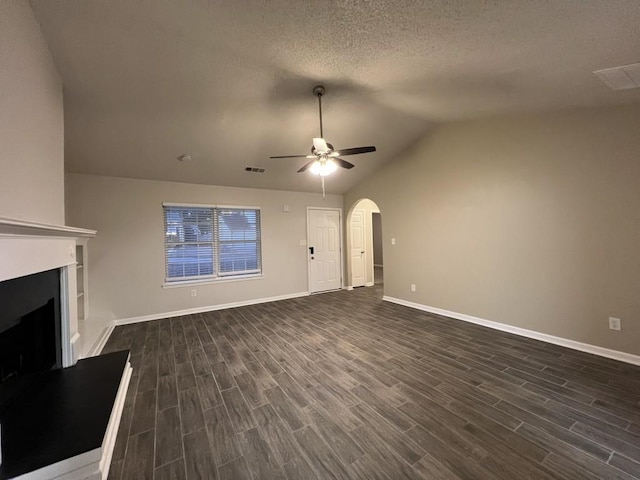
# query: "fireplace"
30, 332
59, 414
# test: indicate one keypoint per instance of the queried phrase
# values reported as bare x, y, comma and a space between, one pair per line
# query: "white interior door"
357, 248
324, 250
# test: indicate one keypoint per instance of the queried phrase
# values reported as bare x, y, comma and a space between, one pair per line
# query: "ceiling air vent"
620, 78
254, 169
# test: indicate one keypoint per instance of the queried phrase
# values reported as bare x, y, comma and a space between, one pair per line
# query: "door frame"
350, 244
340, 245
349, 266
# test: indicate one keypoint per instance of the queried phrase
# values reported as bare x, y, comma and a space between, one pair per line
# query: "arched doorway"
364, 245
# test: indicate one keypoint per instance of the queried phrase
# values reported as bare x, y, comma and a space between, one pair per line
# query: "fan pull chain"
323, 195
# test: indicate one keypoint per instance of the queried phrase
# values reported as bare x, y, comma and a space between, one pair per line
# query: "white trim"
75, 354
327, 291
523, 332
81, 466
369, 284
207, 205
212, 280
209, 308
13, 226
99, 344
109, 440
65, 319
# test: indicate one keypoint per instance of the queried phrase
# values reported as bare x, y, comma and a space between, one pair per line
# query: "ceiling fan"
324, 158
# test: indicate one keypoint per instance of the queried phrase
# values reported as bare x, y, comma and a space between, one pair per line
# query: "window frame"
218, 274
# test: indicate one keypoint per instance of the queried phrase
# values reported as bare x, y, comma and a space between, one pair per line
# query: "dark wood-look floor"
343, 385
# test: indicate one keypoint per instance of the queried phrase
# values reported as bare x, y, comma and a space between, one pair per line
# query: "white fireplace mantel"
27, 248
14, 227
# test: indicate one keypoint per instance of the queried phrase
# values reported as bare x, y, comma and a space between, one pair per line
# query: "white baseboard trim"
209, 308
109, 441
523, 332
102, 340
369, 284
75, 348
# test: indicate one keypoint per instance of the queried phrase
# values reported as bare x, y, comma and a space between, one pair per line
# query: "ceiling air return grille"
254, 169
620, 78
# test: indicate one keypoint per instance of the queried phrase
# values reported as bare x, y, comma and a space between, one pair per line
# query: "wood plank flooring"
345, 386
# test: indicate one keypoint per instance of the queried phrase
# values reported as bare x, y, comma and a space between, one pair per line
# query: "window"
211, 242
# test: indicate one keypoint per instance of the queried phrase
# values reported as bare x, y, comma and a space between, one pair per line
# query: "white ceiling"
230, 81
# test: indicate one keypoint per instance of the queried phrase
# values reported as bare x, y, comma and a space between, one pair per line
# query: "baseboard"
109, 442
75, 347
369, 284
102, 340
209, 308
523, 332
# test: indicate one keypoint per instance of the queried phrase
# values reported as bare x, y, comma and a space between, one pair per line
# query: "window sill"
211, 281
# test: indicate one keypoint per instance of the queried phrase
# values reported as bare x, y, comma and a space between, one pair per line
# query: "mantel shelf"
15, 227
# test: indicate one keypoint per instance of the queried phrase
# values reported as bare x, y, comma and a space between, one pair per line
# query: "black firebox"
30, 339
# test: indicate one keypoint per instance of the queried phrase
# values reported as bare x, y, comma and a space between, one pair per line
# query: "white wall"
531, 221
31, 121
126, 259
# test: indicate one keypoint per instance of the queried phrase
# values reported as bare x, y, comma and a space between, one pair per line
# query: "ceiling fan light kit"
324, 158
323, 167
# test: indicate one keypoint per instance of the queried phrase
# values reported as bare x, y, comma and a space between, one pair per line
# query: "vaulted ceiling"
230, 81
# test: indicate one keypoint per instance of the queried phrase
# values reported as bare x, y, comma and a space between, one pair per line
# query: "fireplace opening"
30, 332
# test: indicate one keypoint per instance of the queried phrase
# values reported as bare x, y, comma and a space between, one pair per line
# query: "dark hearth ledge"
65, 415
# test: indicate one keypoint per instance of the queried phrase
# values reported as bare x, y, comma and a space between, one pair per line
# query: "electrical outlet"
393, 241
614, 324
413, 287
194, 292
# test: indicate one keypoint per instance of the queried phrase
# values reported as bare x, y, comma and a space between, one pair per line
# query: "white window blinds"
238, 234
208, 242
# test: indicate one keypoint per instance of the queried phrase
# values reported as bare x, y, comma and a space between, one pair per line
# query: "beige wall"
531, 221
126, 259
31, 121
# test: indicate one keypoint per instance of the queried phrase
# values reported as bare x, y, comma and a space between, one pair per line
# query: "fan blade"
290, 156
320, 145
343, 163
306, 166
356, 150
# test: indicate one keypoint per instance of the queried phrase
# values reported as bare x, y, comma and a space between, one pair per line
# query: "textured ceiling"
230, 81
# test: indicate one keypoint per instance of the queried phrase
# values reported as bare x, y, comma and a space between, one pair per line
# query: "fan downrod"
318, 90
